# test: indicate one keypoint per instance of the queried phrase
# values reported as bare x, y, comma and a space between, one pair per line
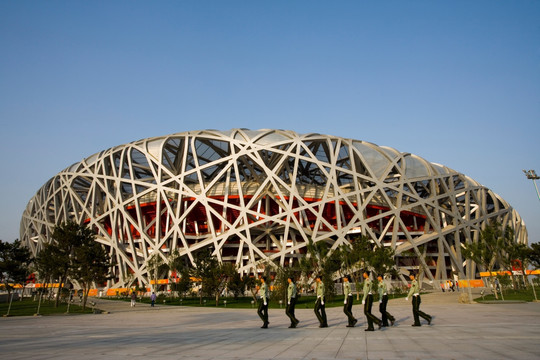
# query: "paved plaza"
458, 331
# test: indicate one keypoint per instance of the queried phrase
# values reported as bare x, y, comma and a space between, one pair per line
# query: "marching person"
415, 292
367, 301
320, 311
348, 301
262, 311
291, 302
383, 302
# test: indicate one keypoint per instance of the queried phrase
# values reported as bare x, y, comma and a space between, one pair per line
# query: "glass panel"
390, 152
272, 138
91, 159
246, 134
415, 167
375, 160
154, 147
74, 167
443, 170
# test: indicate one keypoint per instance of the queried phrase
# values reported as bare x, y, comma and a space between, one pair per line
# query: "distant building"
253, 196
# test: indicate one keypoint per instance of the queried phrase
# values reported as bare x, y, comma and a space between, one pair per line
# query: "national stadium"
256, 197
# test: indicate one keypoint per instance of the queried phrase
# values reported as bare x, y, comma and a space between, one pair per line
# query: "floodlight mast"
531, 175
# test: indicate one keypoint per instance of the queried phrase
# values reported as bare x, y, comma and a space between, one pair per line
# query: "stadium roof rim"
257, 137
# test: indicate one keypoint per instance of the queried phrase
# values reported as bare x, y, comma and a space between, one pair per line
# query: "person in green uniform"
383, 301
415, 292
262, 310
367, 301
348, 301
291, 302
320, 311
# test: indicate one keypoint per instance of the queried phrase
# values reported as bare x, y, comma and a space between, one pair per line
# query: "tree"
46, 267
212, 274
236, 285
354, 256
382, 260
507, 250
15, 262
362, 255
534, 256
320, 261
204, 261
486, 251
250, 283
91, 264
520, 254
72, 253
181, 281
218, 280
280, 286
66, 237
154, 264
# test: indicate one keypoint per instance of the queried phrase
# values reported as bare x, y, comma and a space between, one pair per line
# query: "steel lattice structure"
254, 196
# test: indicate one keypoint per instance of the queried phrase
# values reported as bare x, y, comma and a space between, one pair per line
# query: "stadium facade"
259, 196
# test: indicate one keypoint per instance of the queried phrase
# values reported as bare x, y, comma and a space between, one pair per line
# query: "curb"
502, 302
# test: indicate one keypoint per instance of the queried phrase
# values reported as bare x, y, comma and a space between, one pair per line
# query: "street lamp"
531, 175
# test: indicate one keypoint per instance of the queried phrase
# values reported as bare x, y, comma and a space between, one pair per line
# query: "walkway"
459, 331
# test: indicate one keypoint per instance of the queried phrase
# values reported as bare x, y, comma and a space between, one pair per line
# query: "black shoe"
380, 325
350, 325
354, 322
296, 322
323, 325
392, 322
292, 326
368, 329
265, 326
429, 320
416, 325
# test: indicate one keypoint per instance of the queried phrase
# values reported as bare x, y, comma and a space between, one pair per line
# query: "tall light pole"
531, 175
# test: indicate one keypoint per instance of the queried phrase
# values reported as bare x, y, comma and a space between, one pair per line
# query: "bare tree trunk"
10, 296
86, 290
60, 286
357, 286
492, 282
514, 283
525, 278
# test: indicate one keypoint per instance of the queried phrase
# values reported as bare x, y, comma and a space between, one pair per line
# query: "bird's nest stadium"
259, 196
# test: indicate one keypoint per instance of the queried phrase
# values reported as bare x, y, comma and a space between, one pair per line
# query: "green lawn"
28, 307
523, 295
304, 302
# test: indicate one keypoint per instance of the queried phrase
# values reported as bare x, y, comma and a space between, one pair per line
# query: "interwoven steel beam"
257, 196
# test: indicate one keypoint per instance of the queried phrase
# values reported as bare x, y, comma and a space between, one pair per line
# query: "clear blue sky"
455, 82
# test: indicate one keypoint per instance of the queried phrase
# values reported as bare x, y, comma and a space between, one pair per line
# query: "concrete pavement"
459, 331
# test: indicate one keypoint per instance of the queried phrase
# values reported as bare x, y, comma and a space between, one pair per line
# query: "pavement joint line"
366, 345
287, 348
342, 342
462, 331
